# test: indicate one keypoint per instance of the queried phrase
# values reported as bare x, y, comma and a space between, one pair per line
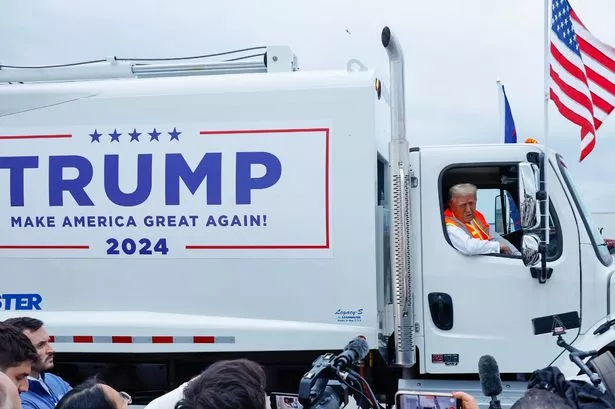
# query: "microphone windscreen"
359, 346
489, 375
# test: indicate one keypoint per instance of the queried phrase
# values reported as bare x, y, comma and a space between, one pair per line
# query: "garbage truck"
158, 217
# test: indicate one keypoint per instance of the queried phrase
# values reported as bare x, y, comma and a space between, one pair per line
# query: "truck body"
159, 224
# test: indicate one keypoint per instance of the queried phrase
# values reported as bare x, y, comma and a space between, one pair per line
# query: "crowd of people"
27, 357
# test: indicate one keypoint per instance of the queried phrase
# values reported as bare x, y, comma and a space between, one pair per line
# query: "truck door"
484, 304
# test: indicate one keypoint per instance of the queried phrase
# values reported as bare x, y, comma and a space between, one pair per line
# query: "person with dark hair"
93, 394
231, 384
541, 399
45, 389
17, 355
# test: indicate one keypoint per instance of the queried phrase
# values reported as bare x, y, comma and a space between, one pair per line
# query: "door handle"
441, 309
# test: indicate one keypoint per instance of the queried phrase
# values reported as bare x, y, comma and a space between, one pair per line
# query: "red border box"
326, 245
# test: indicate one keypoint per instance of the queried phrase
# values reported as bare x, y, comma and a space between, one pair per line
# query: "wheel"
604, 365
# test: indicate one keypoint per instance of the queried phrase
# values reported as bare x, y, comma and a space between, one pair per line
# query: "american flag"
582, 71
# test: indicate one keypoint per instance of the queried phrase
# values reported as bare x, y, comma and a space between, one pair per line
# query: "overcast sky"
455, 50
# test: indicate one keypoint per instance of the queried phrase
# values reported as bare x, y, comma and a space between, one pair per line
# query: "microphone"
490, 382
356, 350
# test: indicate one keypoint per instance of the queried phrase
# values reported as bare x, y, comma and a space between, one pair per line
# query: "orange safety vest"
478, 228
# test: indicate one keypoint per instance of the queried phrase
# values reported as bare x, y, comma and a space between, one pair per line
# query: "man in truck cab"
468, 229
45, 389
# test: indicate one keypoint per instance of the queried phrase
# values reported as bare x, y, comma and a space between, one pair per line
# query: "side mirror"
529, 182
529, 250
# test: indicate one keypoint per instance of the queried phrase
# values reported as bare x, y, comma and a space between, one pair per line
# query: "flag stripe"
571, 104
566, 64
601, 104
596, 54
588, 142
576, 19
610, 99
599, 80
598, 68
582, 32
572, 93
569, 113
579, 84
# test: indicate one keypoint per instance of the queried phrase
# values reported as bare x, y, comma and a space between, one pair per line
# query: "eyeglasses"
126, 397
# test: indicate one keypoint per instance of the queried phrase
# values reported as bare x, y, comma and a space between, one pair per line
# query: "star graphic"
174, 134
154, 135
115, 136
134, 135
95, 136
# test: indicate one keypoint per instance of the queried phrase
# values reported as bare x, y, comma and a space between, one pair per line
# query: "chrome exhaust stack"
400, 184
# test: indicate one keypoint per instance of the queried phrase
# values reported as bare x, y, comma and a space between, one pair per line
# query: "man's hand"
504, 249
467, 401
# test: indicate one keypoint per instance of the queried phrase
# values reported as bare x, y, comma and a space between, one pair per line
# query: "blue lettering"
20, 302
177, 168
177, 172
144, 181
245, 183
76, 187
16, 166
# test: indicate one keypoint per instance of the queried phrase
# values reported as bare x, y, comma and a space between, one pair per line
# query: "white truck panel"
293, 275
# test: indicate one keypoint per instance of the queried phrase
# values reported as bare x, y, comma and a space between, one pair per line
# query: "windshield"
597, 241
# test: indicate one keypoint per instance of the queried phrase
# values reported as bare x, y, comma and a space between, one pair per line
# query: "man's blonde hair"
462, 189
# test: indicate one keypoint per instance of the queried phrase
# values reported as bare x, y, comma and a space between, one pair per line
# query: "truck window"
598, 243
497, 201
503, 213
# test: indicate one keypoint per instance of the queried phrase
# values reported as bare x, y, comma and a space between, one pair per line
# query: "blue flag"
510, 131
510, 136
514, 213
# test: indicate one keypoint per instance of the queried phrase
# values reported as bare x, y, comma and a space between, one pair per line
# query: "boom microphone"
490, 382
356, 350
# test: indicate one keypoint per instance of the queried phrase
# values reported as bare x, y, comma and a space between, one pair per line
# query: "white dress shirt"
470, 246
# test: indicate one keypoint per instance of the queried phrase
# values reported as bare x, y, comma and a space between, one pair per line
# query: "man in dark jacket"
45, 389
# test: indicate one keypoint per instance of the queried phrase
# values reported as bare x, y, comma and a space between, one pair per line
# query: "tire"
604, 365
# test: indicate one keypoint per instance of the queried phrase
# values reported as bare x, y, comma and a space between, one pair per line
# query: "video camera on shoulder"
331, 381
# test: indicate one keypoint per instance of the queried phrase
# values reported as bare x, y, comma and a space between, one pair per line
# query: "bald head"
9, 397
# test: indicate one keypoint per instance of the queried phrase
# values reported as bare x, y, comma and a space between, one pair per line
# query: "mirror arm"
543, 274
536, 272
502, 206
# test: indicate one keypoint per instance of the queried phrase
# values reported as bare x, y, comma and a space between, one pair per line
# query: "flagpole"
501, 106
547, 77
